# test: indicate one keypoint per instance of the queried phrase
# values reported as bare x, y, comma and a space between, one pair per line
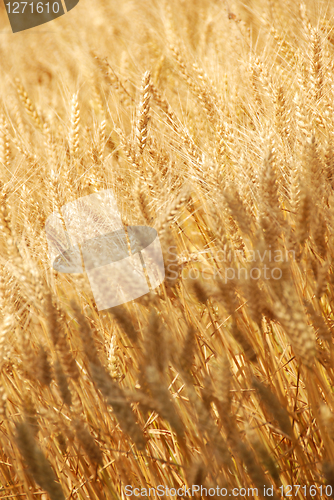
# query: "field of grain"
213, 122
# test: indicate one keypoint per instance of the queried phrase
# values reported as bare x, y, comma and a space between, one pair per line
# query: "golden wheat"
214, 124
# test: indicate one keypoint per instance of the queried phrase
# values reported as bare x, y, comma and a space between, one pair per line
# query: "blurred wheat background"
213, 122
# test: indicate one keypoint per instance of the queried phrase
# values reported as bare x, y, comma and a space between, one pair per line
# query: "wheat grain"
39, 467
143, 113
74, 126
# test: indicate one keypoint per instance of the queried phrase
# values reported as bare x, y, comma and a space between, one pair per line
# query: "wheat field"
213, 122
